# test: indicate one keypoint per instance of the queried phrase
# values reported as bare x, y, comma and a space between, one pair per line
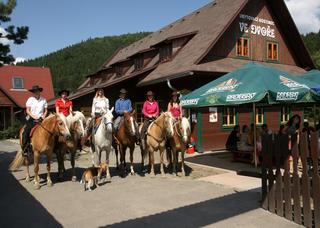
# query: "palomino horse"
102, 140
126, 138
156, 137
42, 142
76, 124
178, 142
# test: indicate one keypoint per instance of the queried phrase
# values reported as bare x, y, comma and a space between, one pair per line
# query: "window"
118, 70
139, 115
165, 53
229, 117
138, 63
259, 116
285, 114
17, 83
243, 47
272, 52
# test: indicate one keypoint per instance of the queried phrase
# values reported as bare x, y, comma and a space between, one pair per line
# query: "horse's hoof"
183, 174
133, 173
152, 175
27, 179
49, 184
74, 179
36, 186
163, 175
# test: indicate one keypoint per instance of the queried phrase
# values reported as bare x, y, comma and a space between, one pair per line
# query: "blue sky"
55, 24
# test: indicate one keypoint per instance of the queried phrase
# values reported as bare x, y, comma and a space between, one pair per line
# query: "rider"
150, 112
36, 109
63, 104
100, 105
123, 104
174, 106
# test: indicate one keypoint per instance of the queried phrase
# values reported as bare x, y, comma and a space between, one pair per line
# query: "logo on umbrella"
291, 83
229, 85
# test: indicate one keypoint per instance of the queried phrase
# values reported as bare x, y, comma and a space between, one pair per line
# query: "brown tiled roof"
224, 65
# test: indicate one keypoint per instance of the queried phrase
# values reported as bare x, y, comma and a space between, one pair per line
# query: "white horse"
76, 124
102, 140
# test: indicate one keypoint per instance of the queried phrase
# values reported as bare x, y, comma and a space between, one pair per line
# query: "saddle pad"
33, 129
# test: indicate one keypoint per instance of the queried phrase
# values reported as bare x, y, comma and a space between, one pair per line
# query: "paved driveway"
134, 201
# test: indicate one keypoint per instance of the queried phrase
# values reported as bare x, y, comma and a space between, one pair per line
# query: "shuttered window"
243, 47
272, 51
285, 114
138, 63
259, 116
165, 53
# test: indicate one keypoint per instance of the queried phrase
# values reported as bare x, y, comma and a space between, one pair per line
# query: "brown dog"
92, 175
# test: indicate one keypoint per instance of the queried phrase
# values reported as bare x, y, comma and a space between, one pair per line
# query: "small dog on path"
92, 175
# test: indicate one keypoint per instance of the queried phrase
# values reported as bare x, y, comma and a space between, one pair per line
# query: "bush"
12, 131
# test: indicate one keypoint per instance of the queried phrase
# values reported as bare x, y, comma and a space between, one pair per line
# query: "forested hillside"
70, 65
312, 41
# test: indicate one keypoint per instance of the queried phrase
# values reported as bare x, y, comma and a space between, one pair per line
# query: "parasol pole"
254, 135
314, 116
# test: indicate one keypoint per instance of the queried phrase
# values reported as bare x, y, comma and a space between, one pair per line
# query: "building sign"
263, 29
213, 114
229, 85
241, 97
291, 84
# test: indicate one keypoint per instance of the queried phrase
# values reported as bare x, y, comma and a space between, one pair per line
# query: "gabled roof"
31, 76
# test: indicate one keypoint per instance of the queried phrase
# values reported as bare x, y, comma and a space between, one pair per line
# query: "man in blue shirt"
122, 105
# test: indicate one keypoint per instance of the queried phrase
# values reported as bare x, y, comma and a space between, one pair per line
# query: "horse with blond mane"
42, 142
76, 123
178, 142
156, 137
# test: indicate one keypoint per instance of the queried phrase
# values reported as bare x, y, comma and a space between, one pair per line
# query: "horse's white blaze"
185, 128
132, 125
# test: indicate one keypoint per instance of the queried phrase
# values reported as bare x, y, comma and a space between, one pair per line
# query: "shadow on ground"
18, 207
199, 214
222, 160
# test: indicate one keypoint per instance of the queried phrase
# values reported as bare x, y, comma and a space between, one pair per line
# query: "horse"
42, 141
156, 137
76, 123
125, 138
102, 140
178, 142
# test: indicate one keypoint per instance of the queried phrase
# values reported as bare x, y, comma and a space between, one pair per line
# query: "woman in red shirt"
63, 104
150, 112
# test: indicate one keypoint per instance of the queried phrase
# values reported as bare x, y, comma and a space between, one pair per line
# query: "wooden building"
198, 48
14, 84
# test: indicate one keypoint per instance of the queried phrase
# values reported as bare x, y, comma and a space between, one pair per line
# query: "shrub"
12, 131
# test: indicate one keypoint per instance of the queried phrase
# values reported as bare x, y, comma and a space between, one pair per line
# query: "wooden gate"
290, 178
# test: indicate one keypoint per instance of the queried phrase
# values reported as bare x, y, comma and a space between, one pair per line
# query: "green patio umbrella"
252, 83
312, 75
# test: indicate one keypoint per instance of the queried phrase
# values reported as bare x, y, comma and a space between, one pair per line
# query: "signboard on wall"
259, 26
213, 114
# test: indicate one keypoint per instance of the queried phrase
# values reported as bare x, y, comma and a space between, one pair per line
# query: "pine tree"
17, 35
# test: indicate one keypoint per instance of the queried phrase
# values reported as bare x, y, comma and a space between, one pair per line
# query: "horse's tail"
17, 162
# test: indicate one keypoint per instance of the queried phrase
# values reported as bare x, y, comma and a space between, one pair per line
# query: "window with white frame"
17, 83
229, 117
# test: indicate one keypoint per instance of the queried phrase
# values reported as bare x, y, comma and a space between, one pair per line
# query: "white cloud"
306, 14
19, 60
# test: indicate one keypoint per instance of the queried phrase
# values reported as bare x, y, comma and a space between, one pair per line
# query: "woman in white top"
100, 104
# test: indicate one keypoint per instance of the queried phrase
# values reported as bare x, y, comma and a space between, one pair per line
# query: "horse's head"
184, 129
62, 127
77, 122
168, 123
130, 123
107, 119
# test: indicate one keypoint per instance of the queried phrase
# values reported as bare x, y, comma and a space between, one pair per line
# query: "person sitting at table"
233, 139
244, 144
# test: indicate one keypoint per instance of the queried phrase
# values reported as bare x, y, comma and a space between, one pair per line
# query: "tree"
10, 34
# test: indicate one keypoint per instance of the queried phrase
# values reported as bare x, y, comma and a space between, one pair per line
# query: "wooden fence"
290, 178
